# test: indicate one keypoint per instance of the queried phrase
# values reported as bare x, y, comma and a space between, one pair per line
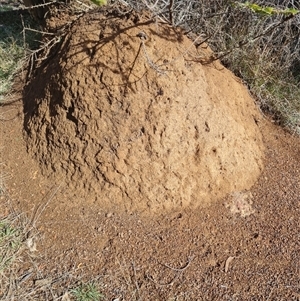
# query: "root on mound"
126, 111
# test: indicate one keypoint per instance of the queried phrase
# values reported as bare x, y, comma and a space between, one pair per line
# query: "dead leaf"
227, 263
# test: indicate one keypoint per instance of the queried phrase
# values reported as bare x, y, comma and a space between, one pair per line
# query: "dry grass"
21, 274
15, 245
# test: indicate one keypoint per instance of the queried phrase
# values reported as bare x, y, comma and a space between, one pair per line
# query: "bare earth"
245, 246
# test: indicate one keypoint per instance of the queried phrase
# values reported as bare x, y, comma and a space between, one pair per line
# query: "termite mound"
126, 113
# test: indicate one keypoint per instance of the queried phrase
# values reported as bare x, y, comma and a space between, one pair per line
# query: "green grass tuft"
87, 292
10, 243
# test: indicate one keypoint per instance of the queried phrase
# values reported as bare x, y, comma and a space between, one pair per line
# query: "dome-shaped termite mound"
126, 111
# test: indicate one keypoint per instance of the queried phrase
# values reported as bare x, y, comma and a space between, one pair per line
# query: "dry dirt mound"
126, 111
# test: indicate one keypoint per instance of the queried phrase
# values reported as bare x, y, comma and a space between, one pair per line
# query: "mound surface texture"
125, 112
